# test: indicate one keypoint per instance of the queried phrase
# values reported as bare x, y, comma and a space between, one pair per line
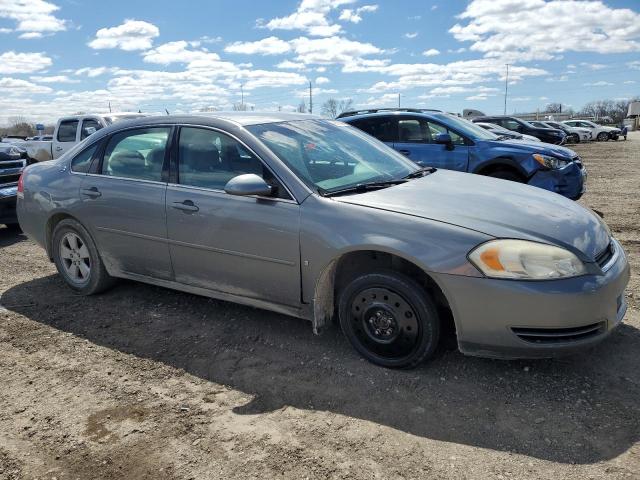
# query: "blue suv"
442, 140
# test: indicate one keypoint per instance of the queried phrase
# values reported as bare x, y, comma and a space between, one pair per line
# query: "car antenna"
167, 111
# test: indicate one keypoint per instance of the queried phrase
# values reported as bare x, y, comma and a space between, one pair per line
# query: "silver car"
315, 219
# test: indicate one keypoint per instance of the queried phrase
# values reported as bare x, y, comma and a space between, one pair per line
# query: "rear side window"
510, 124
414, 131
67, 131
384, 129
136, 154
89, 126
82, 161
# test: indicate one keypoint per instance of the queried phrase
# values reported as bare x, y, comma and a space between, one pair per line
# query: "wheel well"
341, 271
498, 167
51, 224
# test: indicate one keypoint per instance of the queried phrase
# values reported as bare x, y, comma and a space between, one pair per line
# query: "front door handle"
58, 149
186, 206
406, 153
92, 192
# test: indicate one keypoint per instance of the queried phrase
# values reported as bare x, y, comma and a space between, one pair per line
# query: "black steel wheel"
389, 319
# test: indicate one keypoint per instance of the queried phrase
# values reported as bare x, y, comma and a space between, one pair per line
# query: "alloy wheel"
75, 258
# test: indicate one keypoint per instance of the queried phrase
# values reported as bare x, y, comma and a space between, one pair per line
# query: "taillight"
21, 186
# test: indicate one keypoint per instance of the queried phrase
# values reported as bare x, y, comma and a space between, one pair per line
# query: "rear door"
246, 246
123, 202
417, 141
384, 128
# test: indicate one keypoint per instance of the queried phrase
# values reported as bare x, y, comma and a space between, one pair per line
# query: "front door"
123, 203
416, 140
246, 246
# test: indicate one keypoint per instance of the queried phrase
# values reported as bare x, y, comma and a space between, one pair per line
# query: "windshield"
465, 127
330, 156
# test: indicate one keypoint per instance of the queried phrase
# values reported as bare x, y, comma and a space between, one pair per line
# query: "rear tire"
77, 259
506, 175
389, 319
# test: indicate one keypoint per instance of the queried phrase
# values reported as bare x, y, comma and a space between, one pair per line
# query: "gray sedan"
315, 219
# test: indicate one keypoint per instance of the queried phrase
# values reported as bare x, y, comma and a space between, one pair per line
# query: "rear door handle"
186, 206
58, 149
92, 192
406, 153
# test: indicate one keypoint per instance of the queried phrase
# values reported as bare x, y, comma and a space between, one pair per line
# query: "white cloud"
520, 99
593, 66
266, 46
130, 35
635, 65
432, 52
92, 71
479, 97
14, 86
322, 80
310, 16
600, 83
629, 82
355, 15
538, 29
289, 65
12, 62
54, 79
411, 35
333, 50
33, 17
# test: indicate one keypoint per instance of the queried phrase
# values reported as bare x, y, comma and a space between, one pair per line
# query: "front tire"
77, 259
506, 175
602, 137
389, 319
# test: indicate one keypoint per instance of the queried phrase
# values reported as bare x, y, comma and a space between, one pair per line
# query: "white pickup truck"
71, 130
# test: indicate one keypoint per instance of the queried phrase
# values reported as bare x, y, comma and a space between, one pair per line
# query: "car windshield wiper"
421, 172
364, 187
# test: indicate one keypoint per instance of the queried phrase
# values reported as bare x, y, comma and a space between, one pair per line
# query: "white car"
598, 132
580, 134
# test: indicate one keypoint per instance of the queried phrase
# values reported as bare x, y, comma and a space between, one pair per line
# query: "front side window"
67, 131
82, 161
137, 154
330, 155
436, 129
209, 159
89, 126
511, 125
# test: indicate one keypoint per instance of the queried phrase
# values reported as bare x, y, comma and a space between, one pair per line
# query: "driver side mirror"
444, 139
248, 184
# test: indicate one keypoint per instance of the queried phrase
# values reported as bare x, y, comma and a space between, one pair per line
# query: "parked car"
578, 134
307, 217
71, 130
503, 132
599, 132
12, 162
548, 135
438, 139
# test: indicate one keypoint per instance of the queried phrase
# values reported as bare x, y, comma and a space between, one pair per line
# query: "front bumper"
490, 314
8, 205
570, 181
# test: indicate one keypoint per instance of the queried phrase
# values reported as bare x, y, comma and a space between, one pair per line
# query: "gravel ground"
143, 382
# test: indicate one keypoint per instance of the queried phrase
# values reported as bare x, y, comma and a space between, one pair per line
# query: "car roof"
247, 118
395, 112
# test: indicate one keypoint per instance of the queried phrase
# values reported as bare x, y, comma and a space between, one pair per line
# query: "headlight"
524, 260
550, 162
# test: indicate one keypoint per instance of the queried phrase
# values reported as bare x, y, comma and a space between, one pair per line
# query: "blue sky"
64, 56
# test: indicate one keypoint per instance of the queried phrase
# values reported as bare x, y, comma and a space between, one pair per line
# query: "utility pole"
109, 106
398, 99
310, 98
506, 89
242, 95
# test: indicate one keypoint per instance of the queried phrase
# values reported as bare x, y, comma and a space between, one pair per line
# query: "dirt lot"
143, 382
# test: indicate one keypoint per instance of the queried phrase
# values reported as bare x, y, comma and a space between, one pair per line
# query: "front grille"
559, 335
604, 256
9, 180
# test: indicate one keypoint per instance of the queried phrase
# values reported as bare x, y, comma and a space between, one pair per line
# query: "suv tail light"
21, 185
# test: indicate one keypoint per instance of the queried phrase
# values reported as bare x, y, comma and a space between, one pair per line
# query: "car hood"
498, 208
538, 147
